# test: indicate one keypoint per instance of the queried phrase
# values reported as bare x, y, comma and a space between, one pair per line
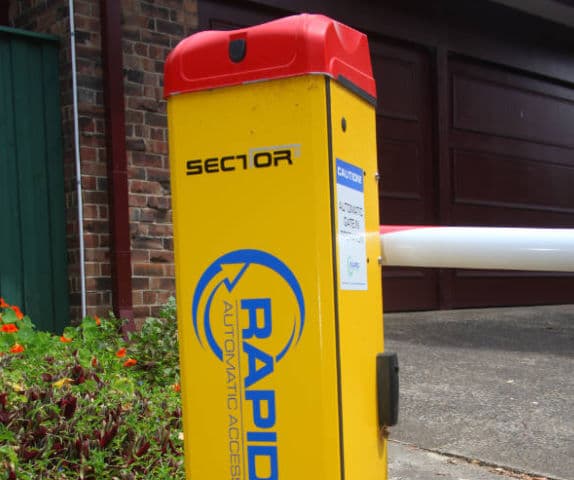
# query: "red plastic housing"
291, 46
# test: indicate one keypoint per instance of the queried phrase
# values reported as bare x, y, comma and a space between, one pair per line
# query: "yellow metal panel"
282, 210
273, 349
360, 311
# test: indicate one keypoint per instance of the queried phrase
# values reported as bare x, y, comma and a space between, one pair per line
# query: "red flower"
3, 304
9, 328
17, 348
64, 339
18, 312
121, 353
130, 362
98, 321
176, 387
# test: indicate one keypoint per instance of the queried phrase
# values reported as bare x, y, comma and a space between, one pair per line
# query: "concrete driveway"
484, 394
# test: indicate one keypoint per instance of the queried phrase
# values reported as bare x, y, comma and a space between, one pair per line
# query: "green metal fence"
33, 267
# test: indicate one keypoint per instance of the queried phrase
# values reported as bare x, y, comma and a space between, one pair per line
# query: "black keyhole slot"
237, 50
388, 389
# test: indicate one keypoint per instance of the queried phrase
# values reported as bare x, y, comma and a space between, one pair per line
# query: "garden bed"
88, 404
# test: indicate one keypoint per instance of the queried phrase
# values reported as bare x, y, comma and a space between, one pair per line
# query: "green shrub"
87, 404
156, 349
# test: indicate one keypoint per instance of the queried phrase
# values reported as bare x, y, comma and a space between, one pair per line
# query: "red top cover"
291, 46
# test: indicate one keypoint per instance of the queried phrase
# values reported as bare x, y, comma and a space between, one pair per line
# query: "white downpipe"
541, 249
77, 157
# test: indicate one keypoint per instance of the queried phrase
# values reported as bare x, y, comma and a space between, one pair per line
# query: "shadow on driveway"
548, 330
496, 385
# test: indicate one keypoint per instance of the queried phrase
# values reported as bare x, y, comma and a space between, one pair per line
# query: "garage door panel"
511, 163
400, 169
479, 291
483, 105
395, 210
215, 15
551, 155
470, 215
404, 138
474, 274
397, 79
483, 215
420, 286
488, 179
397, 128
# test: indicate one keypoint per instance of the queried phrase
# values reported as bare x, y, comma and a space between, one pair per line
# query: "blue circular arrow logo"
227, 272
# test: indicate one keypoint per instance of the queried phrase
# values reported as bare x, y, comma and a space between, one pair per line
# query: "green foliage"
156, 349
87, 404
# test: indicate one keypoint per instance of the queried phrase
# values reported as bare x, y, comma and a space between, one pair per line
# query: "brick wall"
93, 157
150, 30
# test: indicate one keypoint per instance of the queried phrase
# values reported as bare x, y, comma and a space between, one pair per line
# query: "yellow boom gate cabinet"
276, 230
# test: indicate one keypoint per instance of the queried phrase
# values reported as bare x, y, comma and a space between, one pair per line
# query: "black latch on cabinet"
388, 389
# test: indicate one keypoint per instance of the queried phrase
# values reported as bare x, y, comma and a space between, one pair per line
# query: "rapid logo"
248, 310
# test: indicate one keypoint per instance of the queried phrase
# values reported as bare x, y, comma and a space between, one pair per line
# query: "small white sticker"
351, 227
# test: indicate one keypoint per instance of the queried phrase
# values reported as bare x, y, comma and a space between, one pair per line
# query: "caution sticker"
351, 227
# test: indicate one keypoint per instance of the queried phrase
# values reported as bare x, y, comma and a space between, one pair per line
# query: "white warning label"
351, 227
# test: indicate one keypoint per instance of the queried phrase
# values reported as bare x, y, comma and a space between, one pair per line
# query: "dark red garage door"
508, 161
511, 163
405, 153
